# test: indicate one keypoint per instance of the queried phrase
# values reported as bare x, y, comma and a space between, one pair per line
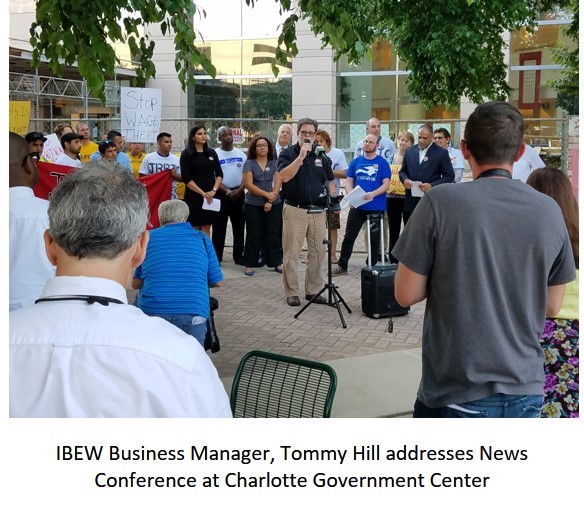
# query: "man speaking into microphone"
304, 175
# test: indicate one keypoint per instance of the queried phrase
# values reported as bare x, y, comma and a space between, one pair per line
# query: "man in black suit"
425, 163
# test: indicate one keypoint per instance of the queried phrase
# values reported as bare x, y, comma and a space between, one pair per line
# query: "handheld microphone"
319, 150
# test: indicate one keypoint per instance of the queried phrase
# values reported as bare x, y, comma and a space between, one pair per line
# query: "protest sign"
19, 116
141, 109
52, 148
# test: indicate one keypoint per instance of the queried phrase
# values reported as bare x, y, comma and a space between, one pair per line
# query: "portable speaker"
377, 282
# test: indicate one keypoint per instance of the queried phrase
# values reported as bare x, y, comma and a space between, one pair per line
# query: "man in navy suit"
425, 163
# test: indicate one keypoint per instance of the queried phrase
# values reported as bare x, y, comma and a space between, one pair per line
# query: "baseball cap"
70, 137
35, 136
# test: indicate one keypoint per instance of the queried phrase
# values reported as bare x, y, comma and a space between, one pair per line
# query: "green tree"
451, 47
567, 86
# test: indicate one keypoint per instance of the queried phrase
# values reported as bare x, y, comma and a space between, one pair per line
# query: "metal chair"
267, 385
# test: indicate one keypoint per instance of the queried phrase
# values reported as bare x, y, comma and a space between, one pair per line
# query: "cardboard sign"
52, 148
141, 109
19, 116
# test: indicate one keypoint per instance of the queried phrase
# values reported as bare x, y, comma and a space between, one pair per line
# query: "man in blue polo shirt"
371, 172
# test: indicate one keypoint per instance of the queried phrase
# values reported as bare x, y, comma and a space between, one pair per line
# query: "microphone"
319, 150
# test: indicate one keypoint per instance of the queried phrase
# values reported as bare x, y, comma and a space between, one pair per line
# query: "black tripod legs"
333, 295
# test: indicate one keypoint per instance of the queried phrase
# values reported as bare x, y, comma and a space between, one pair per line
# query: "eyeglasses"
261, 145
307, 133
437, 138
34, 156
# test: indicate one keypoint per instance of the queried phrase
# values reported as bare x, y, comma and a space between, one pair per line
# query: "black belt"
294, 204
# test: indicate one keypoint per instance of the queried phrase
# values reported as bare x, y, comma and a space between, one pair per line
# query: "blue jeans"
495, 406
185, 323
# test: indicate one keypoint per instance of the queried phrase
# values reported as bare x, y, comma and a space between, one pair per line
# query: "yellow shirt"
136, 162
87, 151
569, 309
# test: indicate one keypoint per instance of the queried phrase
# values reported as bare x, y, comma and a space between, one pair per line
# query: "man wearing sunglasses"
29, 268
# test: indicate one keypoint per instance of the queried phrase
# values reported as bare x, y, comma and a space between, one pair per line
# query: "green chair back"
268, 385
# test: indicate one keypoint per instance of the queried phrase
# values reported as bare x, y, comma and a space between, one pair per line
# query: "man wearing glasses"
304, 176
442, 138
29, 268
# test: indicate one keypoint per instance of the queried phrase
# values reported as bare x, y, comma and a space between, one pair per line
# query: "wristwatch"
228, 191
214, 189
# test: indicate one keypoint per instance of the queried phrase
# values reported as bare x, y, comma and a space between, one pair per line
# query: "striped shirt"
180, 265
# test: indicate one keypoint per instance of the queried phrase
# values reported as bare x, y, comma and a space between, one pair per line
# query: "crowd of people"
449, 240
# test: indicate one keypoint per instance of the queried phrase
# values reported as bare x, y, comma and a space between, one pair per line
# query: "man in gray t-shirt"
490, 273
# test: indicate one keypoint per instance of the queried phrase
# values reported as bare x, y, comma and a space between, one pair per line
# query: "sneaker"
294, 300
339, 271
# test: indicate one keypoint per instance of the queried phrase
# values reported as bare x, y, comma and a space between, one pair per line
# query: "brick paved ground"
253, 314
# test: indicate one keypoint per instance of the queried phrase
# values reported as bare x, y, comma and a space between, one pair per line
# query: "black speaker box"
377, 286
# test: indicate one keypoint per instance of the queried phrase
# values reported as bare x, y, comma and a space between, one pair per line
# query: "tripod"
334, 297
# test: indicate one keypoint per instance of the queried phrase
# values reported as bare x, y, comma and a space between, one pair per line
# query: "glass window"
224, 54
241, 98
258, 56
530, 92
383, 59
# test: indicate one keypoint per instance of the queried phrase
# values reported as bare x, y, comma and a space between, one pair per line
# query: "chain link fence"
547, 136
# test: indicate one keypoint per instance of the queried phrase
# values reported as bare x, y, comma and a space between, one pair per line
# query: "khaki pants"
298, 225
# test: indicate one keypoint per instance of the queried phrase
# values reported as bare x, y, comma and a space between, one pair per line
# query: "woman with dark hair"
561, 334
262, 206
202, 175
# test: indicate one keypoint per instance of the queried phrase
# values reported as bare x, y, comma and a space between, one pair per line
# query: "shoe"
293, 301
239, 261
334, 261
339, 271
249, 273
319, 300
279, 269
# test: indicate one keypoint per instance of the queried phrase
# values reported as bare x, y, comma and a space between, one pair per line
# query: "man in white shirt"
231, 194
284, 138
29, 268
385, 147
162, 159
82, 350
528, 162
71, 144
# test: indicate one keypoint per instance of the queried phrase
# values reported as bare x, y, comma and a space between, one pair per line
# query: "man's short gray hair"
172, 211
98, 211
285, 125
221, 130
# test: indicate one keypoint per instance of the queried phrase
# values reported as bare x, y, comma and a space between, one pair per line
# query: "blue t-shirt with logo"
369, 175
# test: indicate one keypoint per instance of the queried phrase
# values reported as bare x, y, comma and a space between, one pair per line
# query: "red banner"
158, 186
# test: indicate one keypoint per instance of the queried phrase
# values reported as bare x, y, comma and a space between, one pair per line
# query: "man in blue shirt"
371, 172
118, 140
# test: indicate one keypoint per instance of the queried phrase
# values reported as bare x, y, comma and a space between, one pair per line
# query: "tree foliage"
451, 47
567, 86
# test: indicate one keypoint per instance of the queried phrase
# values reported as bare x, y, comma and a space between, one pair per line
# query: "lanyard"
90, 299
495, 173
